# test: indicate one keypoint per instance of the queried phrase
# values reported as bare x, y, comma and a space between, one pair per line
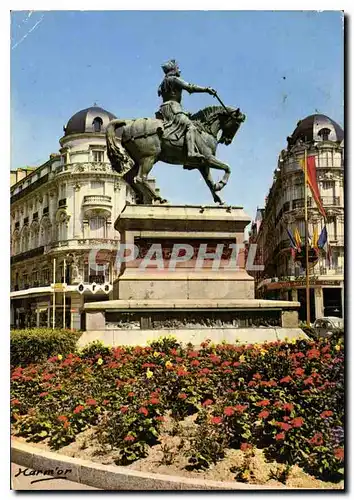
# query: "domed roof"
94, 119
316, 128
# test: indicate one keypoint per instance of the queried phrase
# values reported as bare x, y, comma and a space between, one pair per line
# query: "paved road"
22, 482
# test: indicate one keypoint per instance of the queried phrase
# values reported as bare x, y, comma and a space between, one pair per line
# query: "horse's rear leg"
141, 180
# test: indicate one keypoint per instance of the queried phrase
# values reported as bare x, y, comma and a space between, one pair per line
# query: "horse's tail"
119, 157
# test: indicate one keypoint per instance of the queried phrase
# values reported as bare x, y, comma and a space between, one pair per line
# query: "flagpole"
308, 317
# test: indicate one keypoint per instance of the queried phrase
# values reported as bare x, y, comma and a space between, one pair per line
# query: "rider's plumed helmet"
169, 66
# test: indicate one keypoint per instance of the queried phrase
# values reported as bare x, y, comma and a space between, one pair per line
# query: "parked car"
324, 327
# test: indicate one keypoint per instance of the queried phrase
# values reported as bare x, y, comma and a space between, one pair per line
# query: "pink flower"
264, 402
280, 436
182, 395
216, 420
207, 402
288, 407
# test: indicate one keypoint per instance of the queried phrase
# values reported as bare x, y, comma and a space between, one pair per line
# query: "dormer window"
97, 124
324, 133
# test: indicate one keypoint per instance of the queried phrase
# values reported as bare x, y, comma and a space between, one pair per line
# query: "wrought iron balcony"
332, 201
97, 204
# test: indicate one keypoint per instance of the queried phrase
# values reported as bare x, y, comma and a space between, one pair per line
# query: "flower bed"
286, 399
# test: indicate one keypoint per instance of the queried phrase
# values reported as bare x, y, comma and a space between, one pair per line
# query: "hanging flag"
292, 243
322, 240
323, 243
297, 239
312, 182
291, 238
315, 240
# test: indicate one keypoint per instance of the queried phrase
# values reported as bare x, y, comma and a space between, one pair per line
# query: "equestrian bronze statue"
174, 136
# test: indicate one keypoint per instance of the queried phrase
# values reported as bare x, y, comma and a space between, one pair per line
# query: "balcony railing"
97, 198
332, 201
97, 204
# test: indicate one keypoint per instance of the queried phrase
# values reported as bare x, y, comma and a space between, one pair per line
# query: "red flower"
129, 438
280, 436
205, 371
91, 402
308, 381
131, 394
252, 383
124, 409
182, 395
15, 402
286, 419
216, 420
181, 372
79, 408
208, 402
43, 394
288, 407
160, 418
214, 359
143, 411
339, 453
66, 424
154, 401
105, 402
257, 376
179, 360
193, 354
297, 422
226, 363
299, 372
245, 446
283, 426
62, 418
326, 413
264, 402
316, 440
285, 380
240, 408
173, 352
313, 354
195, 362
236, 364
228, 411
263, 414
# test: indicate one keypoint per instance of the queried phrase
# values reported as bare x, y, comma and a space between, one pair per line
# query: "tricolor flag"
297, 239
324, 244
312, 182
293, 246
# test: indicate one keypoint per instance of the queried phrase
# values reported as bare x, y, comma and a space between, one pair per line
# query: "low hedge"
38, 344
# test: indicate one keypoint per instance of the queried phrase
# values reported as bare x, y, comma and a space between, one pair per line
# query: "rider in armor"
177, 122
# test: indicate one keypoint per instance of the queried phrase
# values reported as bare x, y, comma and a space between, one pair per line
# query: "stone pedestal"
183, 252
186, 276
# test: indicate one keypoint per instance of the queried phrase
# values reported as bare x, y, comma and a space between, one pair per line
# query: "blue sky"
278, 67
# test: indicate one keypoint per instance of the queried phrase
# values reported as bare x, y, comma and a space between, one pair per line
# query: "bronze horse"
134, 146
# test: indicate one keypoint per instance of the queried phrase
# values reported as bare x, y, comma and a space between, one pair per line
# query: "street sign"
58, 287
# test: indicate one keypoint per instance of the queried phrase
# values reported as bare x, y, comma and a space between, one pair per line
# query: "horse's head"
230, 122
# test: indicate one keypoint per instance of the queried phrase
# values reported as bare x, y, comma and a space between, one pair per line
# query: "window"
324, 133
45, 277
97, 187
98, 227
328, 185
97, 124
97, 156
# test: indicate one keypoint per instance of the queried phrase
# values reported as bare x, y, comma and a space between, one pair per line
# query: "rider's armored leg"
191, 143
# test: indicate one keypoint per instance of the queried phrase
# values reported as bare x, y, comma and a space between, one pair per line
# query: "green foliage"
94, 349
37, 344
164, 344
